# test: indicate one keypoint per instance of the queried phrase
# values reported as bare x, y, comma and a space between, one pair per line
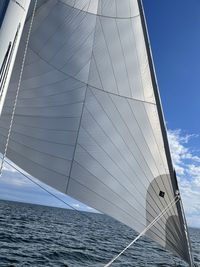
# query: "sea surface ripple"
32, 235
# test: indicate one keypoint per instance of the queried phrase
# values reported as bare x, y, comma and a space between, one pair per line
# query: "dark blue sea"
32, 235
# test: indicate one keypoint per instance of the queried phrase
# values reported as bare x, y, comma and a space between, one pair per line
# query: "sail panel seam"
98, 15
73, 157
74, 77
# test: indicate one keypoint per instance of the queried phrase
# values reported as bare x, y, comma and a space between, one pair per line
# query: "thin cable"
46, 190
171, 204
18, 88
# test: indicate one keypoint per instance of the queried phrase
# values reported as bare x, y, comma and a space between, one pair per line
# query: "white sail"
88, 120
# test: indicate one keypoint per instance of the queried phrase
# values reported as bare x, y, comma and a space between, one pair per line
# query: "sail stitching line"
99, 89
125, 63
74, 152
63, 23
169, 206
53, 83
35, 162
18, 88
51, 106
49, 95
59, 26
98, 15
35, 127
35, 138
41, 152
87, 37
109, 55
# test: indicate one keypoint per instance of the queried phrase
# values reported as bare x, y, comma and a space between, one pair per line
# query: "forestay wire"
18, 88
169, 206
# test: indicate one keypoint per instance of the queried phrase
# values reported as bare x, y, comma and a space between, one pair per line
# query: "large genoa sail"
88, 120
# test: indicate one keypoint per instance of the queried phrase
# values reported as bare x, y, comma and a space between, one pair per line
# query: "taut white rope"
18, 88
170, 205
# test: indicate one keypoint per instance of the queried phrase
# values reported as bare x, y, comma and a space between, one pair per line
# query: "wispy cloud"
187, 163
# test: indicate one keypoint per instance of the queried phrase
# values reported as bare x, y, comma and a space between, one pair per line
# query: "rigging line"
171, 204
18, 88
52, 194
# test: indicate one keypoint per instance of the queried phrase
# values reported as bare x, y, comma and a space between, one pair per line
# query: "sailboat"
81, 111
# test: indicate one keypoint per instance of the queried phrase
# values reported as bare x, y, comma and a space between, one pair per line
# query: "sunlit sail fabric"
87, 121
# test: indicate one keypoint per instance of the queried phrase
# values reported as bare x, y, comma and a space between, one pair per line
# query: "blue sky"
173, 27
174, 33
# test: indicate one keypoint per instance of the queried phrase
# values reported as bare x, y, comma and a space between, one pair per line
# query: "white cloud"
76, 205
187, 165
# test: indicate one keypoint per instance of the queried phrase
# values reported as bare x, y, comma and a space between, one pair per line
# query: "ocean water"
32, 235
